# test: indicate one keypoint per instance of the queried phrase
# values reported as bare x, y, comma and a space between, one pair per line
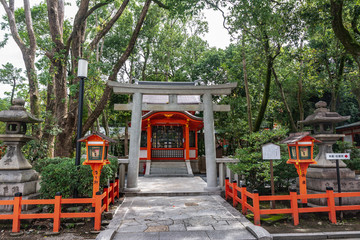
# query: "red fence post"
234, 185
106, 199
331, 204
57, 212
256, 206
227, 190
243, 199
294, 206
112, 191
98, 206
16, 212
117, 183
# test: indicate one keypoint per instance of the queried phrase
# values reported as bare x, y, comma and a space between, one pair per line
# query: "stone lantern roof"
18, 113
323, 115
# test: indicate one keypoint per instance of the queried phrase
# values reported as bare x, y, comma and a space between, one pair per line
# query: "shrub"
61, 175
257, 171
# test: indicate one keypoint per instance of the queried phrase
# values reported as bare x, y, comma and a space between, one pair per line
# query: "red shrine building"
352, 133
169, 137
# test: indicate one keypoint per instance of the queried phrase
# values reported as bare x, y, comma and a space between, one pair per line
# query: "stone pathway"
180, 217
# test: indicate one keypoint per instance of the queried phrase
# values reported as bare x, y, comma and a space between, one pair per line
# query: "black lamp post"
82, 74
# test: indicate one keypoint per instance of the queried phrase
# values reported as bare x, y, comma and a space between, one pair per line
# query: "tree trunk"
48, 137
247, 93
28, 52
266, 94
105, 123
340, 31
292, 123
108, 91
300, 90
337, 83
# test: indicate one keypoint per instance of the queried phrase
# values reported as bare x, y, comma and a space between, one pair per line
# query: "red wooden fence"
232, 191
100, 202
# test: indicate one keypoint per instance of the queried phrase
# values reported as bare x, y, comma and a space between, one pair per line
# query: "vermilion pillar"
187, 141
196, 143
149, 133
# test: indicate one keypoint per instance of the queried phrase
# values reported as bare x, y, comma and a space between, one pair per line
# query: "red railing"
100, 202
232, 191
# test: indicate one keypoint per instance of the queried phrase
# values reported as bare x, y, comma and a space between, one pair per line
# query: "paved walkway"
193, 215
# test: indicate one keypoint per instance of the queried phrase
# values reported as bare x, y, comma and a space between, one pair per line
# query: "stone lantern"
323, 122
323, 174
16, 173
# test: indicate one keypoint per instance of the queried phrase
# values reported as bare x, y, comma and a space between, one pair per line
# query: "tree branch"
355, 19
55, 23
340, 31
97, 6
108, 90
160, 4
222, 13
108, 26
29, 28
78, 21
14, 31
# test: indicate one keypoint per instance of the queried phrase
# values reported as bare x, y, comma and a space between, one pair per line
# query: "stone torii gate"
155, 89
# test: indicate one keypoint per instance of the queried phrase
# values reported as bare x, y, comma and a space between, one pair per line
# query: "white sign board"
338, 156
271, 151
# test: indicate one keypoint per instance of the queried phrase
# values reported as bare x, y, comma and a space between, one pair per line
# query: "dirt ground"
313, 222
71, 229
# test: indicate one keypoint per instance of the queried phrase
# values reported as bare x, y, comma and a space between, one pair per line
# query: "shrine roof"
191, 116
355, 124
296, 137
103, 136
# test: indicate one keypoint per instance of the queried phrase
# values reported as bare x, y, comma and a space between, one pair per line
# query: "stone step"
168, 168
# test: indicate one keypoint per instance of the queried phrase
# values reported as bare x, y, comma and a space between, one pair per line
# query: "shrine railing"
240, 195
100, 202
167, 153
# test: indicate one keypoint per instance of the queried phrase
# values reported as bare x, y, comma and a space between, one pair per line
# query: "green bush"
61, 175
257, 171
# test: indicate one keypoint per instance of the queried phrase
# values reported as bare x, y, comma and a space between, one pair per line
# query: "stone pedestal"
16, 174
320, 178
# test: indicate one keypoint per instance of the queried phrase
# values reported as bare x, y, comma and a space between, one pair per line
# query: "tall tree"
28, 50
271, 24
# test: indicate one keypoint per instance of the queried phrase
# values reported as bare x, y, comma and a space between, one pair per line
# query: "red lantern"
97, 147
301, 149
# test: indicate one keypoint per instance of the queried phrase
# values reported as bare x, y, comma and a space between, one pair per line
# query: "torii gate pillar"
135, 135
211, 174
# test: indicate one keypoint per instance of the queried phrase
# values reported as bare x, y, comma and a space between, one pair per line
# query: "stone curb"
107, 234
319, 235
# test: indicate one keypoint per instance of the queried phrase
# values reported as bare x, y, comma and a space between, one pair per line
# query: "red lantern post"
97, 146
301, 149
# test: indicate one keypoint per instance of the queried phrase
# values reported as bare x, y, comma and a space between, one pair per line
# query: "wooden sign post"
271, 152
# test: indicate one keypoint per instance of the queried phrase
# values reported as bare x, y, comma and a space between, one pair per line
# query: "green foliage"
257, 171
35, 150
342, 147
61, 175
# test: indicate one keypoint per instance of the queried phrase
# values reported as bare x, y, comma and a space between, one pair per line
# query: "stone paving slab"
186, 217
178, 208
